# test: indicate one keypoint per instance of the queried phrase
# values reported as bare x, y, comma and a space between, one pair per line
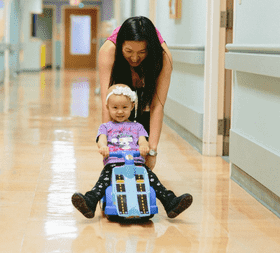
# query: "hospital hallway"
48, 152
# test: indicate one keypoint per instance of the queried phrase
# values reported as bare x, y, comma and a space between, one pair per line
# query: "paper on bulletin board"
2, 20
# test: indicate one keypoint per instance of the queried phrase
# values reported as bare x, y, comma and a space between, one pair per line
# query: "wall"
14, 37
44, 25
257, 23
2, 45
254, 140
31, 46
184, 106
107, 10
190, 29
141, 8
14, 16
125, 10
44, 32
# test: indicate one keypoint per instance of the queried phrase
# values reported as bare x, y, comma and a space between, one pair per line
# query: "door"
225, 78
228, 81
80, 38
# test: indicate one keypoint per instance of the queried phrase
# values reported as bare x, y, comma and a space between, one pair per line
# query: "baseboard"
184, 133
189, 119
255, 159
30, 70
256, 189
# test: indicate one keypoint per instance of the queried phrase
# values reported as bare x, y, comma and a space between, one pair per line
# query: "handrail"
186, 47
187, 53
11, 47
3, 47
254, 48
256, 59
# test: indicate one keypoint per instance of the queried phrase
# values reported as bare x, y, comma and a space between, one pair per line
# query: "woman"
139, 59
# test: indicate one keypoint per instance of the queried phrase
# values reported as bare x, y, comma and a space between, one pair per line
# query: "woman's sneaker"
86, 207
178, 205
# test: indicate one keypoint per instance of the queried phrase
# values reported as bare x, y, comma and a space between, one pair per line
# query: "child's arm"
102, 145
143, 146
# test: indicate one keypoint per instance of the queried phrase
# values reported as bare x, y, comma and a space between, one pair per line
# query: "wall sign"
175, 9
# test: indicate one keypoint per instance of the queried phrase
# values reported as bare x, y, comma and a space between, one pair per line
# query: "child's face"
119, 107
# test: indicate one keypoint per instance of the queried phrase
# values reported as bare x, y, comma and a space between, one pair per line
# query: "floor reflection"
106, 236
48, 152
80, 98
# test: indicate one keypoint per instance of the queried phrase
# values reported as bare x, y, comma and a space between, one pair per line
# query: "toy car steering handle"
122, 154
127, 155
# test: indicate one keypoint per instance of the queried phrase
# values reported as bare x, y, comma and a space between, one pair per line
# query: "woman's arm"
106, 58
157, 105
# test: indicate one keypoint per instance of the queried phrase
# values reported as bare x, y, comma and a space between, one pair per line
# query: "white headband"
126, 91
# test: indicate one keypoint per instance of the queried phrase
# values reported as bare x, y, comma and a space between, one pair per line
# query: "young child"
122, 134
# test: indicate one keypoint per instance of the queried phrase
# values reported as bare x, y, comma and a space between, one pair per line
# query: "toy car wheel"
103, 206
113, 217
146, 219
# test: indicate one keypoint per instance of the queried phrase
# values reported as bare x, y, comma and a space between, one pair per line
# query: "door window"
80, 35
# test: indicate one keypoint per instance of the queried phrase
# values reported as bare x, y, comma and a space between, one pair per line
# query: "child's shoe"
85, 205
177, 205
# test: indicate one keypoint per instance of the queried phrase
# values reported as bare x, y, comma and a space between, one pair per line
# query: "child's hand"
104, 151
144, 150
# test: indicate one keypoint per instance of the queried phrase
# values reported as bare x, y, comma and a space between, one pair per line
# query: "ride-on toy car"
130, 195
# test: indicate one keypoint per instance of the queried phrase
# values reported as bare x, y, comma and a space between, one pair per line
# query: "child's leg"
172, 204
87, 203
98, 191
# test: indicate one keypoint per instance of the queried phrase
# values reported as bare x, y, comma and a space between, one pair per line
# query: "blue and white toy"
130, 195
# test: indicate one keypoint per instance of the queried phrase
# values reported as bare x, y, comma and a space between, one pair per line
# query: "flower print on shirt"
124, 142
114, 141
121, 141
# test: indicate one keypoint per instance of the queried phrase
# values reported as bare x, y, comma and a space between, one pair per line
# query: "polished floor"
48, 151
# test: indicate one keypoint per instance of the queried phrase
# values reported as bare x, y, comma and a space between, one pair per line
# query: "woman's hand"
151, 161
104, 151
144, 150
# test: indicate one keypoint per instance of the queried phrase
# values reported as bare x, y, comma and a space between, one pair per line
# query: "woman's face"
134, 52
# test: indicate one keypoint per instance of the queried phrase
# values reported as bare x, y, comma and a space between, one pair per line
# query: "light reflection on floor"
48, 151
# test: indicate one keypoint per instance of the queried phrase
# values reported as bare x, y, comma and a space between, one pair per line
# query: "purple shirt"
122, 136
113, 36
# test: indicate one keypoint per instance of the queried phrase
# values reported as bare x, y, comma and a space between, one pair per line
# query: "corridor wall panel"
254, 58
186, 39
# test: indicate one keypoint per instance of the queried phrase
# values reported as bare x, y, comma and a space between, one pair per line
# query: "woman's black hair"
139, 29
